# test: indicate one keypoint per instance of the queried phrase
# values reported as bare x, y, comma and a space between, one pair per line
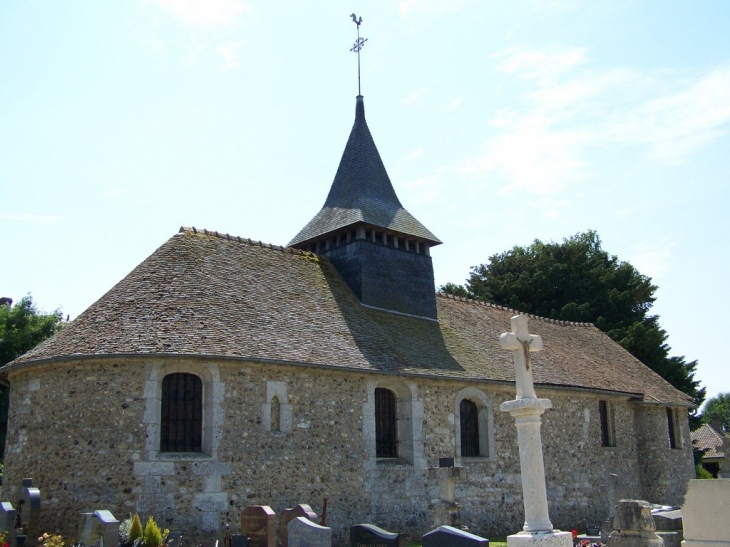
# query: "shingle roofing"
362, 192
204, 293
710, 440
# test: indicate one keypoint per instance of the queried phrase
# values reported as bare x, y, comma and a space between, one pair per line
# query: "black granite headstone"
448, 536
369, 535
239, 540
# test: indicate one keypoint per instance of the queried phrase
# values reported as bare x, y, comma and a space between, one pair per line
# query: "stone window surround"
486, 426
410, 422
278, 390
213, 392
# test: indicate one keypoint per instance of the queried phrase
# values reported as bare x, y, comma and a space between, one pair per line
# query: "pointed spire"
362, 192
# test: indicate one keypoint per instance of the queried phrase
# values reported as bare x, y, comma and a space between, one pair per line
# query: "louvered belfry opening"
469, 428
182, 413
386, 424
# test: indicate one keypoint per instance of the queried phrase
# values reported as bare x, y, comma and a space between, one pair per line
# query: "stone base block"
553, 538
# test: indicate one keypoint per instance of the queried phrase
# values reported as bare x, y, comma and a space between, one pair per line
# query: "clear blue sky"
498, 122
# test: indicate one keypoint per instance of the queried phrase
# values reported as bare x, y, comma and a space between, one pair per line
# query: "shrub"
152, 534
135, 531
702, 473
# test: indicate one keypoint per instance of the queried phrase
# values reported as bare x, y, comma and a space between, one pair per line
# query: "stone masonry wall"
86, 432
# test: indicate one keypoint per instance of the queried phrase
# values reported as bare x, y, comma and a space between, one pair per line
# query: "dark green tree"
717, 408
22, 327
577, 280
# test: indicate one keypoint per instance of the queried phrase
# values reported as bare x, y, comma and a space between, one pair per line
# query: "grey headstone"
7, 520
258, 523
108, 527
369, 535
28, 509
288, 515
448, 536
633, 526
668, 520
302, 532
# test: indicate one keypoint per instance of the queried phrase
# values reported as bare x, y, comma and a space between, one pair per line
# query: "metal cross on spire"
357, 47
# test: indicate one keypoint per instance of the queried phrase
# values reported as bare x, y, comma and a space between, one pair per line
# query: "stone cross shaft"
521, 343
527, 409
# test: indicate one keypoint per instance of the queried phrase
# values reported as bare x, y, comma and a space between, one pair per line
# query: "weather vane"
357, 47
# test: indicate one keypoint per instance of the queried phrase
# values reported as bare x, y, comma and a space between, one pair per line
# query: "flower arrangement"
51, 540
4, 539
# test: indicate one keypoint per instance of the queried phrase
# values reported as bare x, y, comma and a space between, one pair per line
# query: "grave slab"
369, 535
288, 515
258, 523
705, 513
448, 536
302, 532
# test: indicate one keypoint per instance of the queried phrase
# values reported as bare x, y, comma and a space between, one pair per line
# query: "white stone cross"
521, 342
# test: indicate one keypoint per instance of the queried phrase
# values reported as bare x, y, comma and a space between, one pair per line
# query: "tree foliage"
577, 280
22, 327
717, 408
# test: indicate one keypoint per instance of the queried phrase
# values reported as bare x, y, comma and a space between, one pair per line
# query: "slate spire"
379, 248
362, 194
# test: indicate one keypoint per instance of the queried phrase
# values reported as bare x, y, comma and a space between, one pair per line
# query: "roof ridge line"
245, 240
475, 302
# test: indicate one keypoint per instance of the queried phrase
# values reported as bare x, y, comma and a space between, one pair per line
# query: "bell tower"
379, 248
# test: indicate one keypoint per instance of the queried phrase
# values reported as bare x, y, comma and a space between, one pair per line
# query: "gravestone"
258, 523
288, 515
98, 528
27, 511
633, 526
705, 513
669, 527
302, 532
448, 536
7, 520
239, 540
174, 539
369, 535
446, 512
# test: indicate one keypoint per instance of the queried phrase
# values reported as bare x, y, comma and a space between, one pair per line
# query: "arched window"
469, 428
275, 414
182, 413
386, 424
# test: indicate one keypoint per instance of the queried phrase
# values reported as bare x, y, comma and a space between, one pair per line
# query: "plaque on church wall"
288, 515
448, 536
302, 532
258, 523
369, 535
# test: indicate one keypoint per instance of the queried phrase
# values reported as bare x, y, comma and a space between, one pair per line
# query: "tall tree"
577, 280
717, 408
22, 327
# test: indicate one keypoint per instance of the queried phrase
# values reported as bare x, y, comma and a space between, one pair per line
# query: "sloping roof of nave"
203, 293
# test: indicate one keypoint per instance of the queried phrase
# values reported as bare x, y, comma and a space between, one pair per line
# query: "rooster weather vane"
357, 47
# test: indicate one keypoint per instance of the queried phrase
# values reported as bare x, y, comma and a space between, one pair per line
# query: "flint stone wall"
86, 432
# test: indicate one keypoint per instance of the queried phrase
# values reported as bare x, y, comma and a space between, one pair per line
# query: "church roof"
362, 192
207, 294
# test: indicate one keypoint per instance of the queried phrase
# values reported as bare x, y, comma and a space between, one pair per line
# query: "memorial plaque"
258, 523
288, 515
448, 536
302, 532
369, 535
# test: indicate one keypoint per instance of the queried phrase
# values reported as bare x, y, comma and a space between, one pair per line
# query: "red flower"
575, 534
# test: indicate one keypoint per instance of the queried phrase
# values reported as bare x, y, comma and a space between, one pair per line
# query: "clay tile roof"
203, 293
362, 192
706, 438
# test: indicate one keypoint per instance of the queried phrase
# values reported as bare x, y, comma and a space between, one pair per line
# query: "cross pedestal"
526, 409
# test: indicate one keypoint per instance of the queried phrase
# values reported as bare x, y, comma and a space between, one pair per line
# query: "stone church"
224, 372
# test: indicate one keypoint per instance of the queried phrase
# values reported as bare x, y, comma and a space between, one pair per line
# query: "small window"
673, 427
389, 240
469, 414
386, 424
275, 414
605, 410
182, 413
